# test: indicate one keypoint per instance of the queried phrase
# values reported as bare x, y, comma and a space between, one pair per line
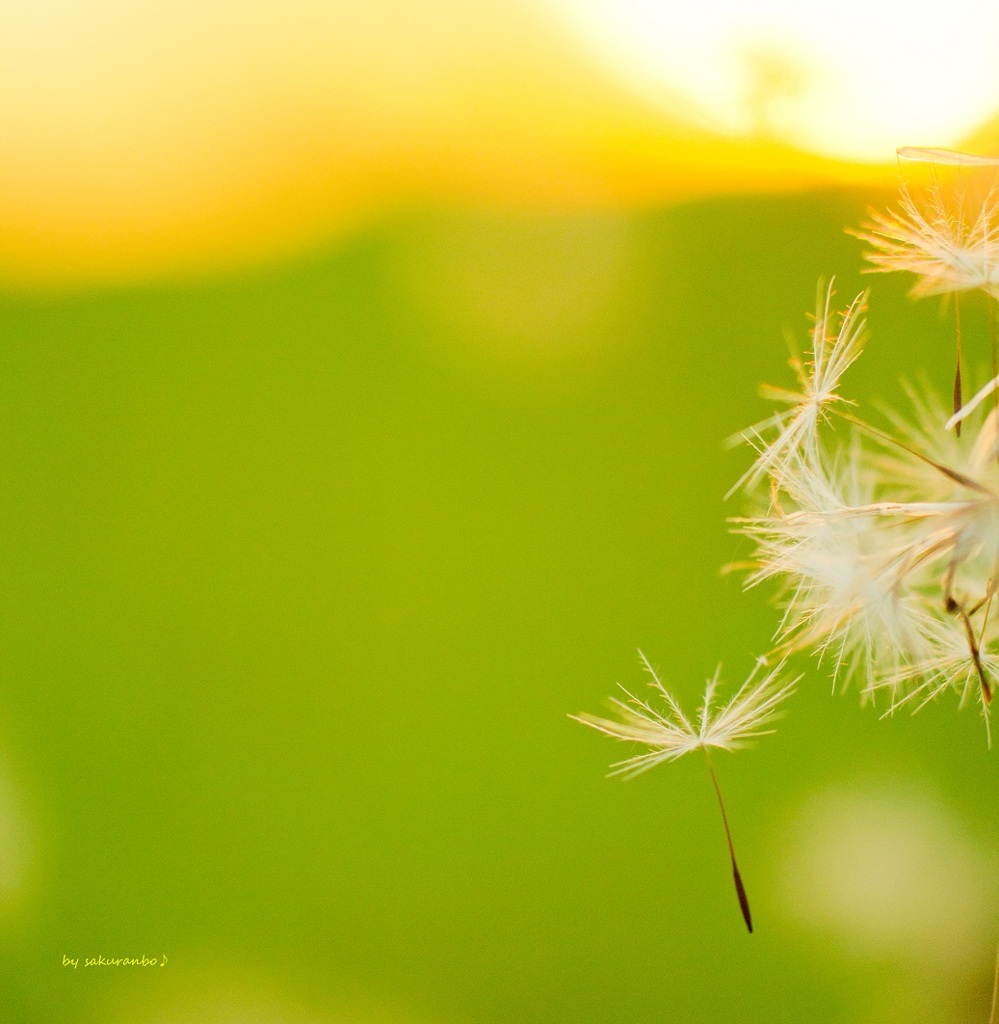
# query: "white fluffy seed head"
884, 545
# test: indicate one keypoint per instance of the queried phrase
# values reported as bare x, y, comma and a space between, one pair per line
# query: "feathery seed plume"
794, 428
946, 231
669, 733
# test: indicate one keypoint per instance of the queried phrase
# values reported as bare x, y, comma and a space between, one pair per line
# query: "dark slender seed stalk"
984, 602
952, 474
740, 889
956, 608
976, 656
957, 370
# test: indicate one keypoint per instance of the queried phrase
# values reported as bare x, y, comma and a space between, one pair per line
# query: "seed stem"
740, 889
888, 440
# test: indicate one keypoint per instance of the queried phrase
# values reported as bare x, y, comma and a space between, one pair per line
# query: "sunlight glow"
853, 81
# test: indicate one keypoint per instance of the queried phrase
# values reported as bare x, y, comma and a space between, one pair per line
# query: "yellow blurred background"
191, 136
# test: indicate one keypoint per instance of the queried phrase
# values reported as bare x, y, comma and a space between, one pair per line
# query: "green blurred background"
303, 569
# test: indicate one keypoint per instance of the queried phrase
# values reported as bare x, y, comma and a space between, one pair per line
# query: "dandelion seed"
946, 233
948, 236
794, 428
886, 550
669, 733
